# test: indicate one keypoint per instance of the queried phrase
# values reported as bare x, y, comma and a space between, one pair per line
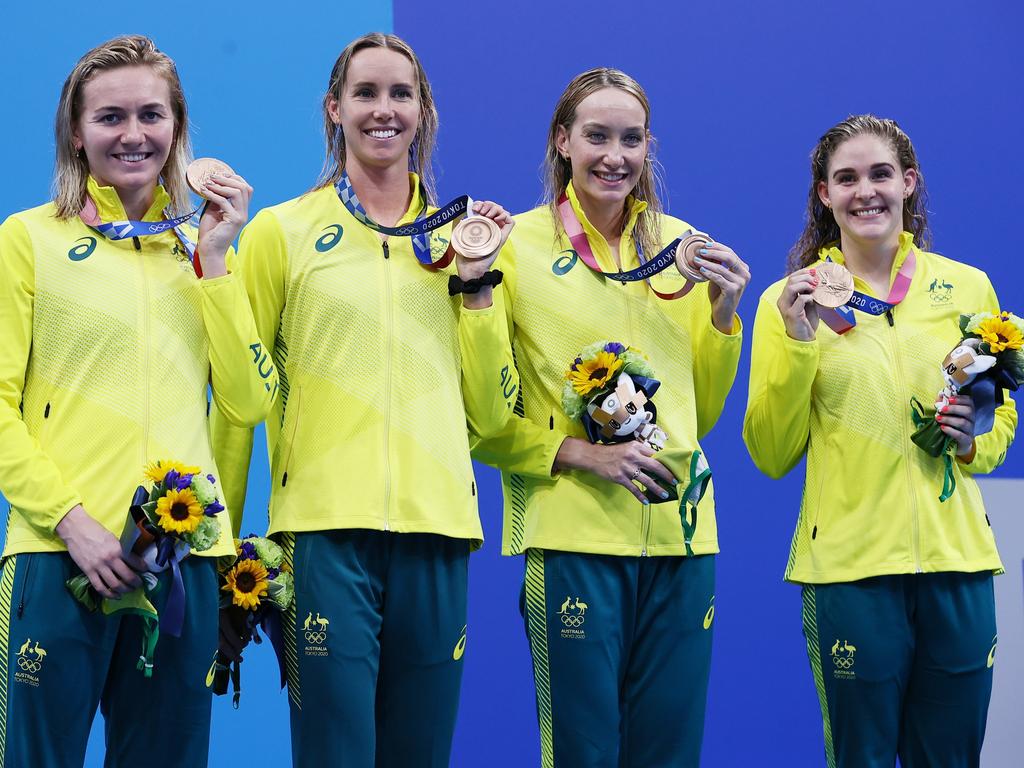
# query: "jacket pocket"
293, 413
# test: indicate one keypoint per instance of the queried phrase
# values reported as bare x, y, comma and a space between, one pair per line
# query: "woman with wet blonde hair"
389, 363
618, 594
898, 608
110, 343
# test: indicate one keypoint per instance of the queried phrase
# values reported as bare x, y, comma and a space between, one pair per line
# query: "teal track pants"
373, 647
621, 651
63, 661
903, 666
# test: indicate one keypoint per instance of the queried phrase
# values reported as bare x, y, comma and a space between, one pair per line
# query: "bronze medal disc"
476, 237
835, 285
687, 252
201, 169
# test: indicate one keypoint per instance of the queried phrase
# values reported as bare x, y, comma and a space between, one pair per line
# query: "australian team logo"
314, 630
940, 292
30, 663
842, 659
573, 614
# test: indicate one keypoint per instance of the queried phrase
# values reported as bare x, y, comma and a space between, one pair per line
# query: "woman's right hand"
797, 307
97, 552
621, 463
234, 635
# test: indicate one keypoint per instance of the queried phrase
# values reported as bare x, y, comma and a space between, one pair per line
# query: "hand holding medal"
700, 259
476, 240
220, 223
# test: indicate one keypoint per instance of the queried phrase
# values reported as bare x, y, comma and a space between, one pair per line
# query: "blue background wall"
740, 93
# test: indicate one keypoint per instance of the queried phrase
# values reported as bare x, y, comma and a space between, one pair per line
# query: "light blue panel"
254, 74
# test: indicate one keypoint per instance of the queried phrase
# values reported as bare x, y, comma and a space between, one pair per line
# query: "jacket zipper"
645, 528
388, 330
144, 311
915, 544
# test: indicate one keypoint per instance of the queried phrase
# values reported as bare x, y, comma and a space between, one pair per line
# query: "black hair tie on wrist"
457, 285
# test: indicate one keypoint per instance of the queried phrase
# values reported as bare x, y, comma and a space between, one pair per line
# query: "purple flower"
614, 347
183, 482
248, 551
272, 573
171, 479
213, 509
211, 478
577, 363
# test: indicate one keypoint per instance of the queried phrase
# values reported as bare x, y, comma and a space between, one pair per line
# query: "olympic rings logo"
841, 662
28, 665
316, 638
572, 621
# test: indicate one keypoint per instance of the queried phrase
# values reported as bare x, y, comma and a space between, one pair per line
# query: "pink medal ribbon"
647, 269
843, 319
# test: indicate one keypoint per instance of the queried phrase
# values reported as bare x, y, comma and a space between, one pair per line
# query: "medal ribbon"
842, 319
122, 230
666, 256
418, 230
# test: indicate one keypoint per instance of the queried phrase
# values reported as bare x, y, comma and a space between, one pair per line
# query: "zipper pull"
136, 243
387, 250
889, 317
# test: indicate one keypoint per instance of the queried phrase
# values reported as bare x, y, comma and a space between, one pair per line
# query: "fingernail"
703, 269
710, 242
952, 399
703, 251
943, 409
664, 494
938, 417
814, 271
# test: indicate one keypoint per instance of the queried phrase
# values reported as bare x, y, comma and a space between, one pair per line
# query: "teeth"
132, 157
868, 212
390, 133
610, 176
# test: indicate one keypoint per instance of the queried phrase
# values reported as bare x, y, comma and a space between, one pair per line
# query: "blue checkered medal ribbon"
418, 230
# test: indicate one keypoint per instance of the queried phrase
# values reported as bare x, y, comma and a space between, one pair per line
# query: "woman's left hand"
728, 276
956, 420
229, 196
473, 268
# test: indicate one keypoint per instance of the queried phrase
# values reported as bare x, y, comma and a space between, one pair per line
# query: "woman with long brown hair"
898, 608
618, 594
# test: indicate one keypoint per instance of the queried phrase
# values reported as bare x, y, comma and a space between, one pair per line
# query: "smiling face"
379, 108
606, 145
126, 128
866, 189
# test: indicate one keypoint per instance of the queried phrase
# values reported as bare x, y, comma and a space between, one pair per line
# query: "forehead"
611, 106
863, 151
380, 65
125, 87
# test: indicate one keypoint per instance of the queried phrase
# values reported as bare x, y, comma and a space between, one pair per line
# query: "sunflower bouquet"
177, 515
259, 585
988, 360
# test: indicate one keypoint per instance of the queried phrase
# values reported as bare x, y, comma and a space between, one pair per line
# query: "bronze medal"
686, 254
476, 237
835, 285
201, 169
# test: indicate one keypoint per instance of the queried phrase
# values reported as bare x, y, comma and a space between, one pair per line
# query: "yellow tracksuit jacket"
870, 503
108, 350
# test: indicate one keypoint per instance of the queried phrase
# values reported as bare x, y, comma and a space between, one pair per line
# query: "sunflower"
247, 583
593, 374
158, 470
179, 511
999, 333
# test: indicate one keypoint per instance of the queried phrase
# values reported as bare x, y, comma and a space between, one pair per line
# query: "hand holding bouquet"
176, 516
988, 360
258, 586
